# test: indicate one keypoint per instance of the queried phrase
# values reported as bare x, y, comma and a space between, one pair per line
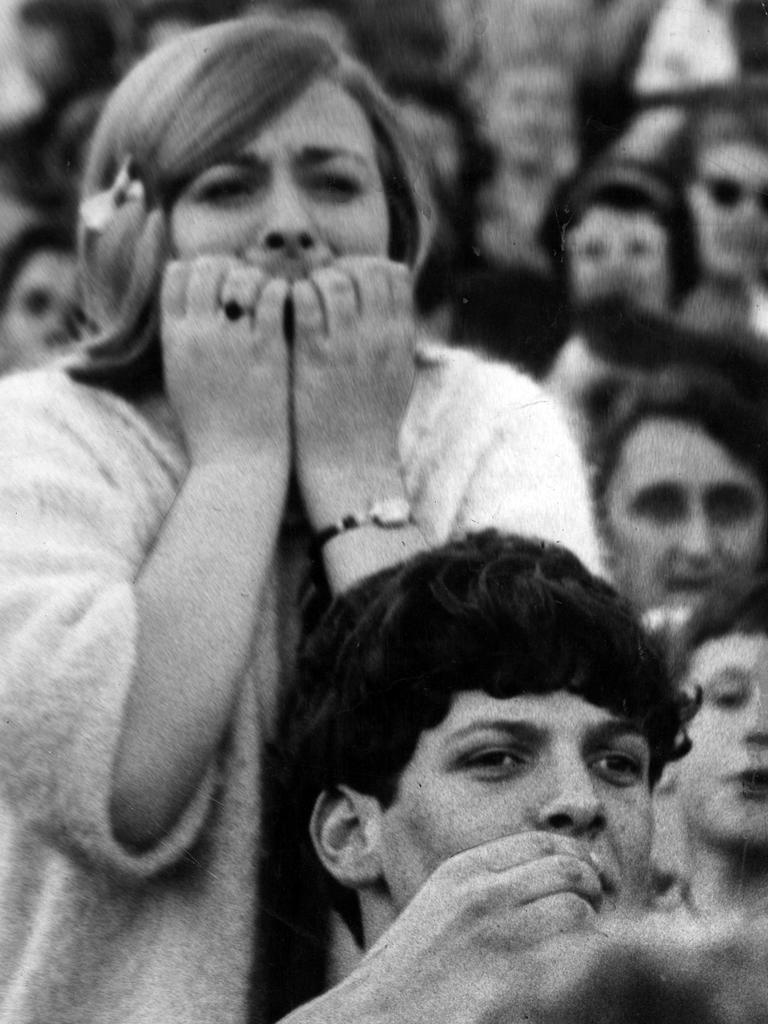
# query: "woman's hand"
226, 378
354, 339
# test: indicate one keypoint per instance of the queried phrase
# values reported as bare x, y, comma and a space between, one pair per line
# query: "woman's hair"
185, 107
701, 400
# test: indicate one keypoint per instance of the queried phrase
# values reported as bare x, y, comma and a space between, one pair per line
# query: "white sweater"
89, 931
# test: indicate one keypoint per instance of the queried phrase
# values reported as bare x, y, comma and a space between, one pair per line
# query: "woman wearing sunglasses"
726, 139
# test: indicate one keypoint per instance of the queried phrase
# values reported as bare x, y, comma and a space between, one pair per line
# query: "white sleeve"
70, 547
484, 446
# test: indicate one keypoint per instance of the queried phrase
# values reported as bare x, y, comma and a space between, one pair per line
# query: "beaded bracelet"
391, 513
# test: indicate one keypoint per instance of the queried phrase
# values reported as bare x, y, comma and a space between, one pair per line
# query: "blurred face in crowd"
304, 191
36, 321
614, 253
729, 201
723, 782
681, 513
531, 128
495, 768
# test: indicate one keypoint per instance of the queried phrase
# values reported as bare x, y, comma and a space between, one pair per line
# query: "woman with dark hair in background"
682, 488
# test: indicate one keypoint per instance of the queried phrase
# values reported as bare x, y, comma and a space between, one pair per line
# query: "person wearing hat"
726, 157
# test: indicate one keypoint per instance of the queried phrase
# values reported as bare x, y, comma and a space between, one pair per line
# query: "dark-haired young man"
473, 742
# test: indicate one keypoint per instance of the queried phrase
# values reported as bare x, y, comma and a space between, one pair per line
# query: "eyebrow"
727, 673
616, 729
306, 155
611, 729
322, 154
512, 727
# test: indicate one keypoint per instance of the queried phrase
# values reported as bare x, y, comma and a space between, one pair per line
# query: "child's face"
729, 203
615, 253
723, 781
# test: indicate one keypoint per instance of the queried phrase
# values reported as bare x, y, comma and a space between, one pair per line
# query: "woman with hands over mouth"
249, 235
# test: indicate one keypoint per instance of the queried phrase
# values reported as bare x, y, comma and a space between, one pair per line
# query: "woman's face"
619, 253
723, 782
305, 190
36, 323
682, 514
729, 201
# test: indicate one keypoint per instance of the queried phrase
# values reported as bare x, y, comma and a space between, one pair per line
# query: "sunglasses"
729, 193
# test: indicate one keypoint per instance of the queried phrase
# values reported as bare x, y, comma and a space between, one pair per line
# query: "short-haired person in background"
716, 803
682, 485
471, 747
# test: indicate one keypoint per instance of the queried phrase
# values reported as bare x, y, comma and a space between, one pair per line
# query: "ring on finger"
239, 293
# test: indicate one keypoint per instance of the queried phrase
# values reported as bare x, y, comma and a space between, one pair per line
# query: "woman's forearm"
360, 552
197, 596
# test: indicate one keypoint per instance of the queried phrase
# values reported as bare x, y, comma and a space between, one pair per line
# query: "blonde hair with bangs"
185, 107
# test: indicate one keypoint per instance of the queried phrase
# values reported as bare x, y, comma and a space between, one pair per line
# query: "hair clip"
97, 211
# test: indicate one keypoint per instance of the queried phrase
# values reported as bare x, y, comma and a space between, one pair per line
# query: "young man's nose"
573, 808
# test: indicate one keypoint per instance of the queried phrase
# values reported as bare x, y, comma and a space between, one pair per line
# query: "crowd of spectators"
595, 178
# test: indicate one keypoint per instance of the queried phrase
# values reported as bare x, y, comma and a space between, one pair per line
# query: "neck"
727, 877
377, 915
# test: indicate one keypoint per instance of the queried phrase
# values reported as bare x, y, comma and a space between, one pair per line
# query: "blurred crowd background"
596, 172
596, 175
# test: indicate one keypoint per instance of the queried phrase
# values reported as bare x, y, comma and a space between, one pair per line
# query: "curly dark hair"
739, 605
503, 614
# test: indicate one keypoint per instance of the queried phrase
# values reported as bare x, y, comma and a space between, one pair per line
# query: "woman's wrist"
334, 495
354, 554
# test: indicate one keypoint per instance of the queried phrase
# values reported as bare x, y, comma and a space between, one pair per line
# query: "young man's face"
495, 768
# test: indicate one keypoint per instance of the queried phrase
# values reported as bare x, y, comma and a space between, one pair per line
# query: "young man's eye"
494, 761
620, 769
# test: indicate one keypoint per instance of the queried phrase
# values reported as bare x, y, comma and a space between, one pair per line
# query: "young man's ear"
345, 828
